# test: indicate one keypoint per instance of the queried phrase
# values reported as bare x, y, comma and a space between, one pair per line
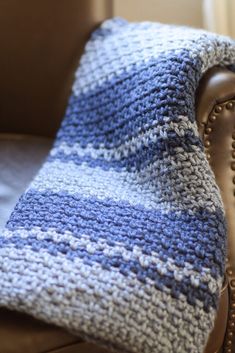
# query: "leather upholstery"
41, 43
216, 121
216, 113
20, 333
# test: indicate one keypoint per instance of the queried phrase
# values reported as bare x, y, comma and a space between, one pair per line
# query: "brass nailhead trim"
230, 332
231, 323
208, 130
229, 105
218, 108
212, 118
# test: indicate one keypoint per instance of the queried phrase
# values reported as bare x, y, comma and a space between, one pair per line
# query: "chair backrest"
41, 43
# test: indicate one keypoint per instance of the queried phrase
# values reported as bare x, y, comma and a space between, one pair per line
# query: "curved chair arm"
215, 110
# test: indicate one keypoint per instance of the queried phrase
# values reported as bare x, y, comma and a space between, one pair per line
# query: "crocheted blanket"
121, 236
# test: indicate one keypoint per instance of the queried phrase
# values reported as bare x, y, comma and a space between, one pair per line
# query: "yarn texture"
121, 237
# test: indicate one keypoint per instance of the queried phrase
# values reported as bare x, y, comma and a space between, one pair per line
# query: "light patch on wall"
219, 16
186, 12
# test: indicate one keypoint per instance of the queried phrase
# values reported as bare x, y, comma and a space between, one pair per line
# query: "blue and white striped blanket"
121, 236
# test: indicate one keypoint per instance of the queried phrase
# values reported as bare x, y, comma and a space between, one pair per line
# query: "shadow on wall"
41, 43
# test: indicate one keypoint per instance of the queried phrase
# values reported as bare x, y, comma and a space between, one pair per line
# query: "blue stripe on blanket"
143, 156
196, 239
111, 113
184, 286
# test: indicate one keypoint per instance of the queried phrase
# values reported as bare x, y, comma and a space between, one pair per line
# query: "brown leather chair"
215, 109
41, 43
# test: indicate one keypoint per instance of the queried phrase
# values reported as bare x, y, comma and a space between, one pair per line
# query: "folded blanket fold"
121, 237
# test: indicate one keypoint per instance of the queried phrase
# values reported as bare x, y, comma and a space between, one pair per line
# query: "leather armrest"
215, 110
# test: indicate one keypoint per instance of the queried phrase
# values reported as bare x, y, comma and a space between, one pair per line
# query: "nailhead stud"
218, 109
208, 130
231, 325
212, 118
229, 105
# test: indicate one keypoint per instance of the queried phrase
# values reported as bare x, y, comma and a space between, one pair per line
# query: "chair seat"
21, 156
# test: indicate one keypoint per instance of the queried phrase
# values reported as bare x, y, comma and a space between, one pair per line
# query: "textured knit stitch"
121, 236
